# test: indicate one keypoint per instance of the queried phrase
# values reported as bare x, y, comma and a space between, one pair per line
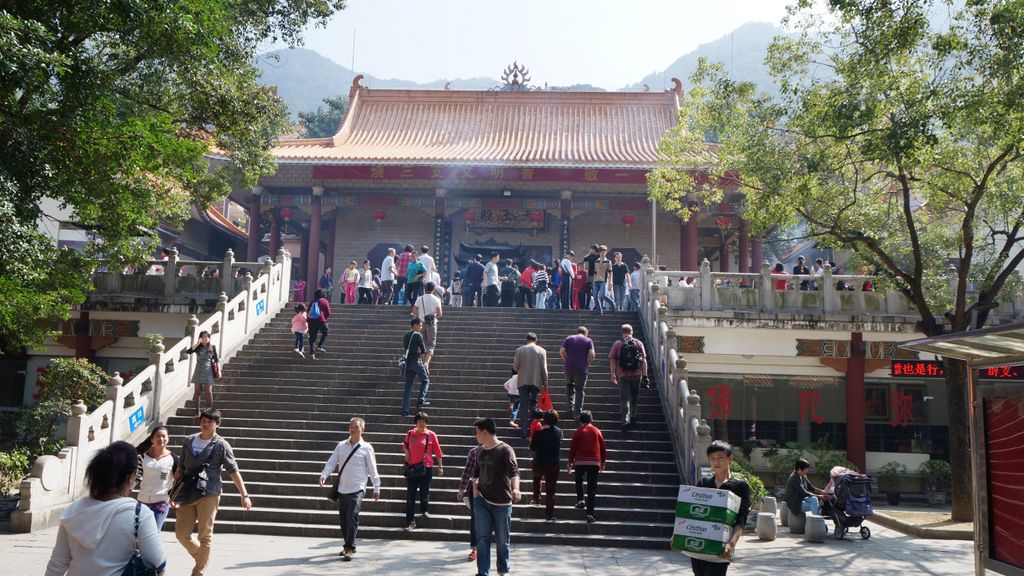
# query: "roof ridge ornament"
355, 87
677, 86
515, 78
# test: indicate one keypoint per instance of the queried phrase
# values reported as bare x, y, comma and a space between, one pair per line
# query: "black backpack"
629, 354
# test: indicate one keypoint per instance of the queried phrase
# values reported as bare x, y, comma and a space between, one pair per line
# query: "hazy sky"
601, 42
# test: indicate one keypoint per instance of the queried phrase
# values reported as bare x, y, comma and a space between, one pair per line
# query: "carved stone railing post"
830, 300
227, 274
156, 357
767, 288
706, 285
171, 273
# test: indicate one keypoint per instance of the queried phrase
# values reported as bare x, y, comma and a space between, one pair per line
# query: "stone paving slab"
886, 552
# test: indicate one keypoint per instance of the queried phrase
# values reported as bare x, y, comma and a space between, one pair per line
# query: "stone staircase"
284, 414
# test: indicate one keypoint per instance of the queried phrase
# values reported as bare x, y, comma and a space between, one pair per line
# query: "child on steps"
512, 388
300, 326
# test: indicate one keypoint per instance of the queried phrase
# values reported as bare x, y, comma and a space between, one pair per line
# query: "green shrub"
782, 461
741, 468
822, 469
937, 474
14, 466
890, 476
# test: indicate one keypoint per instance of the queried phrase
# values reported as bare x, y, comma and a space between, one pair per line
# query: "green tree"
898, 137
324, 122
109, 108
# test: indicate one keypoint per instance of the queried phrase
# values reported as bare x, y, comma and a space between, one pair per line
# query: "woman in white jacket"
97, 532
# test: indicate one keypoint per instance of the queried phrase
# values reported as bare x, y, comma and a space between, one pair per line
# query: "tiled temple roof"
528, 128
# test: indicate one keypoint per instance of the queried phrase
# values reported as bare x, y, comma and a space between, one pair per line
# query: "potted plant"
890, 479
936, 474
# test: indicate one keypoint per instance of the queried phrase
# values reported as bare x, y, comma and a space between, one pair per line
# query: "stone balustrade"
176, 278
154, 394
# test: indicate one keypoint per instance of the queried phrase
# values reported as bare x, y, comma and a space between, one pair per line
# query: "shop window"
876, 402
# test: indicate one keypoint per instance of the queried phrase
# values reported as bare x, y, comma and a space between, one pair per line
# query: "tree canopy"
324, 122
109, 108
897, 137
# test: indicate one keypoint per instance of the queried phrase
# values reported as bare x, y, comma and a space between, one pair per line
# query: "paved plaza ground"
886, 552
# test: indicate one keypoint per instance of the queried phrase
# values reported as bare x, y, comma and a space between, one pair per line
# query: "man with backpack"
628, 365
319, 311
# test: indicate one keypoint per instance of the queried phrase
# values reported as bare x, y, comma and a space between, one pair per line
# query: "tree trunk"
961, 481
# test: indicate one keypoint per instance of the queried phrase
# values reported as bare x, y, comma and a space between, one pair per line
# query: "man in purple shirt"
578, 352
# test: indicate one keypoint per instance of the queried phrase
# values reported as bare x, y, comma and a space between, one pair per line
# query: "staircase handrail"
162, 387
690, 434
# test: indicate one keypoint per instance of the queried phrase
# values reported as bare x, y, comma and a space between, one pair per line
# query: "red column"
303, 260
312, 266
331, 236
756, 254
744, 249
688, 243
724, 257
856, 438
275, 235
83, 340
253, 248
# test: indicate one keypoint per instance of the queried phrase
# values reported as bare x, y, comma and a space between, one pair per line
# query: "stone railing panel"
154, 394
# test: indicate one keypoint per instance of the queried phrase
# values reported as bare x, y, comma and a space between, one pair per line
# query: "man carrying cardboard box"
712, 521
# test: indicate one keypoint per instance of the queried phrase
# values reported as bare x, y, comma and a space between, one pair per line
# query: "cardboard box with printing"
707, 505
704, 540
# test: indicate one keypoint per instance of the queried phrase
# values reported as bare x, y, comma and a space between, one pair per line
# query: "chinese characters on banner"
721, 401
933, 369
809, 402
902, 409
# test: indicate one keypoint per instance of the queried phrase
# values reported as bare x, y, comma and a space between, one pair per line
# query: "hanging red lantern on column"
287, 214
468, 217
723, 223
379, 215
628, 220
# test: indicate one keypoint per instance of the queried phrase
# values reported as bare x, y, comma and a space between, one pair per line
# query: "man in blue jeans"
495, 488
602, 269
801, 495
414, 351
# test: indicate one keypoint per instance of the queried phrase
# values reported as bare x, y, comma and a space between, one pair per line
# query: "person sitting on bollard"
801, 495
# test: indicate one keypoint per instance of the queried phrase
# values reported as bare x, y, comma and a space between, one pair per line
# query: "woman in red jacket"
587, 454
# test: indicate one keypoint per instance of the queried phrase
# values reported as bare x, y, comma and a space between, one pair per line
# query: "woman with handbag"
104, 533
207, 369
157, 466
420, 448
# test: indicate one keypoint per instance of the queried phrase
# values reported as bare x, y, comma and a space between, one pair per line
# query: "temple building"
527, 172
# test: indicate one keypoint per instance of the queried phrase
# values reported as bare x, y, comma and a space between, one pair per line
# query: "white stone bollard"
768, 504
815, 528
796, 523
765, 527
784, 513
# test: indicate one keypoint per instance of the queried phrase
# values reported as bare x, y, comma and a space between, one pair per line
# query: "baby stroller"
848, 501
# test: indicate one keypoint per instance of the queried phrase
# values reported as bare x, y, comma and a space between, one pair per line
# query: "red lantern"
537, 217
379, 215
722, 222
469, 216
287, 213
628, 220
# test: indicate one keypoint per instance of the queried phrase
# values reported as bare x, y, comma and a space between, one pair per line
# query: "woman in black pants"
420, 447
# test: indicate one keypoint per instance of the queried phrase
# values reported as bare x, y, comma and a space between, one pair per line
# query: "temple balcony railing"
803, 295
177, 278
153, 395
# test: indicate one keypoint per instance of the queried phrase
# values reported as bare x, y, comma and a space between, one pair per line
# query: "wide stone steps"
283, 414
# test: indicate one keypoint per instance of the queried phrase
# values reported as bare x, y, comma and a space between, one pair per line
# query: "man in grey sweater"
531, 364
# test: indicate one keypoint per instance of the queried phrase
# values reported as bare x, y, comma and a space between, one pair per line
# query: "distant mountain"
742, 52
304, 78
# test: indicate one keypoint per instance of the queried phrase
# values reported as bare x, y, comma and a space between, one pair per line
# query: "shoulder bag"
332, 492
403, 360
214, 362
419, 469
137, 565
192, 487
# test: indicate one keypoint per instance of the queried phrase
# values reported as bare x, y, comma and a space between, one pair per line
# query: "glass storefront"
774, 409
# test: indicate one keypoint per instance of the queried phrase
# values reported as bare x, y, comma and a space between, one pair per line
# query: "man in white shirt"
388, 269
492, 281
428, 309
427, 260
357, 462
